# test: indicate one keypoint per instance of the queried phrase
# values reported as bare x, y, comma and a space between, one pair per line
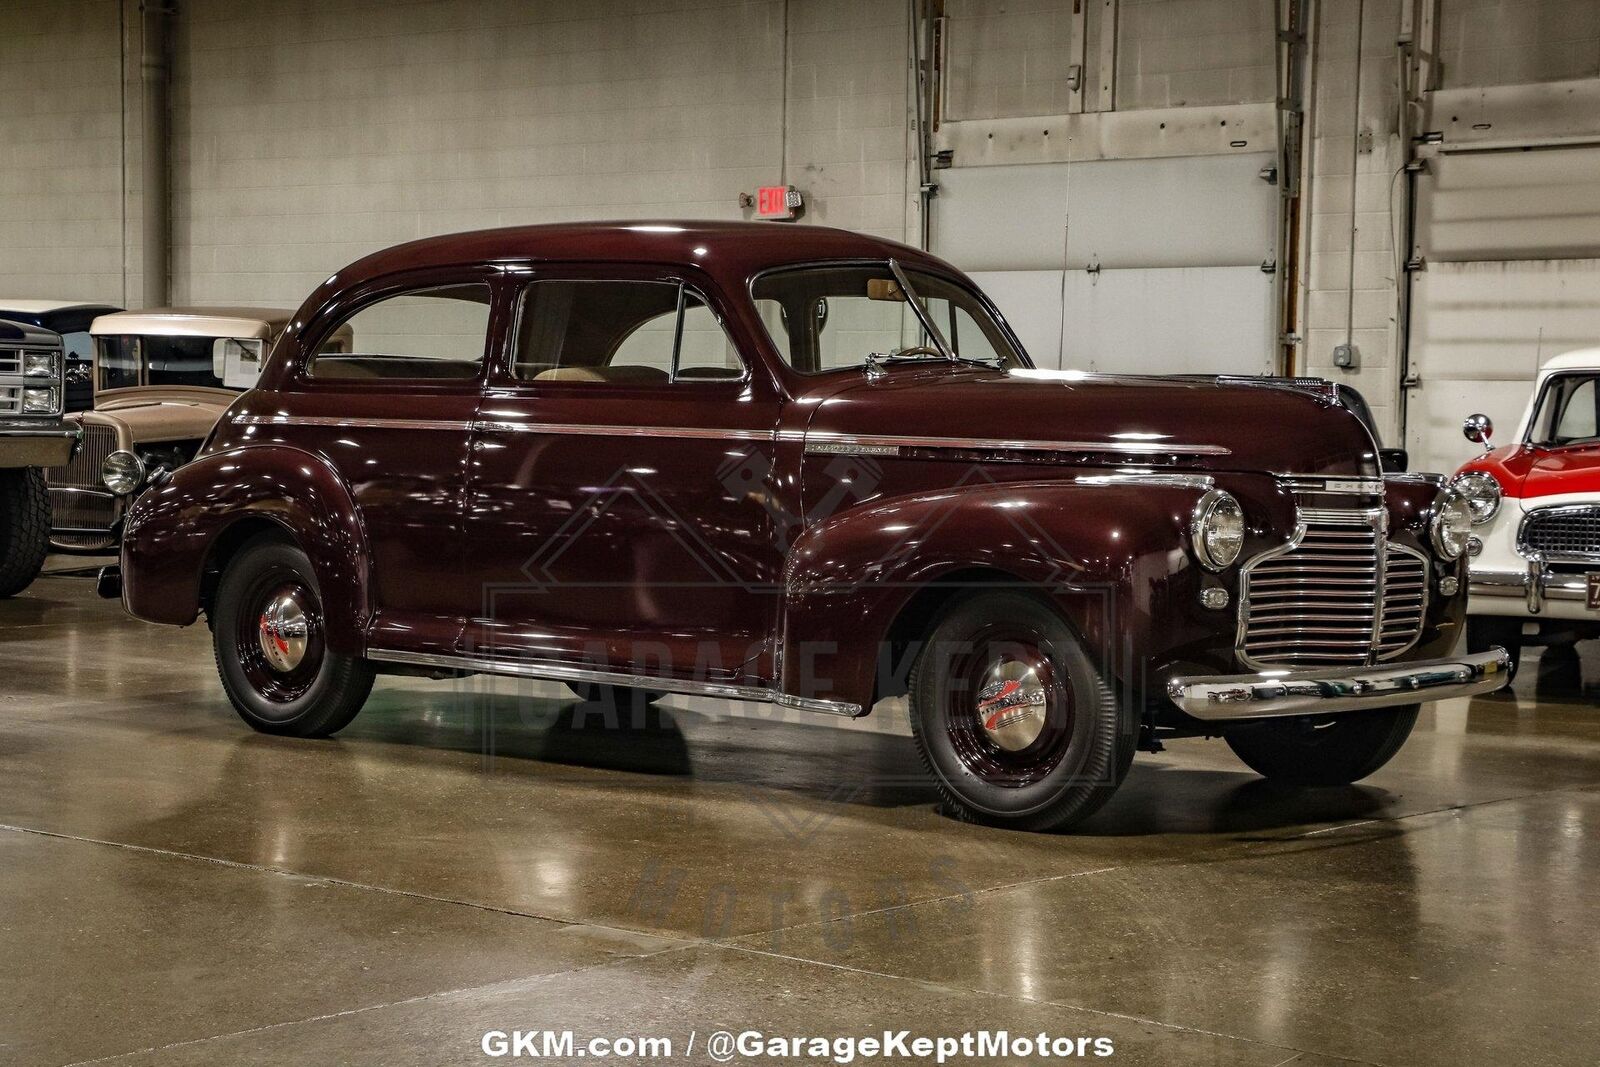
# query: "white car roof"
39, 307
194, 322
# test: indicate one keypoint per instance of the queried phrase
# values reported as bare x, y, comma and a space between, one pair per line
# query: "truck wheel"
24, 528
1011, 717
1336, 752
1496, 631
271, 653
621, 695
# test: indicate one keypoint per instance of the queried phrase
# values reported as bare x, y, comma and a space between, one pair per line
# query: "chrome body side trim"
1143, 448
1279, 694
553, 671
1150, 477
708, 433
342, 423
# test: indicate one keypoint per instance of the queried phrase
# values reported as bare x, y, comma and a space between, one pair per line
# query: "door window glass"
430, 333
623, 332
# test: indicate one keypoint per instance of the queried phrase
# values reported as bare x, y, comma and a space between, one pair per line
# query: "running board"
552, 671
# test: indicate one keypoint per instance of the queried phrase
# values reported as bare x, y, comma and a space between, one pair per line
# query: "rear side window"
437, 333
621, 333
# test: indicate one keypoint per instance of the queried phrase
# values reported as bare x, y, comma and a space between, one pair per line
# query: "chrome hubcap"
1012, 704
284, 629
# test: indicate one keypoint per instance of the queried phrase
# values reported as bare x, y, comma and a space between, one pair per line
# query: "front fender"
172, 531
1112, 557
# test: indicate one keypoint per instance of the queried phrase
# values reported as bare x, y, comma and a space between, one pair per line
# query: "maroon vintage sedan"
808, 467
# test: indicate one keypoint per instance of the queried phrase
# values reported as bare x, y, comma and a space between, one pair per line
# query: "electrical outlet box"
1345, 357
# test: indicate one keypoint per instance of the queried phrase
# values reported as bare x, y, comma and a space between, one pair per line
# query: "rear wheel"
271, 649
1012, 718
24, 528
1496, 631
1330, 752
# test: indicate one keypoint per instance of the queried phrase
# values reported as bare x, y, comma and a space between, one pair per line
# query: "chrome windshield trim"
555, 671
1277, 694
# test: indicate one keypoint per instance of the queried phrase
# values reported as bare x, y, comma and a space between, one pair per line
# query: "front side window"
825, 319
125, 361
622, 333
435, 333
1569, 411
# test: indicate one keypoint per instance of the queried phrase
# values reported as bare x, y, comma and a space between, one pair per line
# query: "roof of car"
1581, 357
194, 322
741, 247
39, 307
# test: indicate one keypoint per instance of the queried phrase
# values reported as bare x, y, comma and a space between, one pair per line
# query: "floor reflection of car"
1535, 500
161, 380
70, 319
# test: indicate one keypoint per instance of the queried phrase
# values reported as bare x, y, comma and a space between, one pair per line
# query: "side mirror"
1477, 429
1393, 460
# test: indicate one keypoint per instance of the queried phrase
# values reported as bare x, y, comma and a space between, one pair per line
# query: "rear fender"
173, 531
1109, 556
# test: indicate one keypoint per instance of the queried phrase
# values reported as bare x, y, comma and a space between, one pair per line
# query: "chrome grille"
1570, 533
10, 399
11, 361
1405, 598
1314, 602
82, 511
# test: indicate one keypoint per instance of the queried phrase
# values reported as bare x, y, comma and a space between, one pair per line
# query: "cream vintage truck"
162, 378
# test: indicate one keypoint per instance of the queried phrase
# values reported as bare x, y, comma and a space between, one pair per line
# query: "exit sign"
778, 202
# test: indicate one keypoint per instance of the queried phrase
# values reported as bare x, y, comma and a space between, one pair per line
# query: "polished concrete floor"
474, 856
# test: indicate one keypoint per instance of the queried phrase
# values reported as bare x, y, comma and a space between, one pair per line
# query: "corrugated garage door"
1145, 265
1511, 240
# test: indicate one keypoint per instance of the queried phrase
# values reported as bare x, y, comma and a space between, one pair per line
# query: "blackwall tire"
24, 528
1496, 631
620, 695
270, 648
1333, 752
1014, 721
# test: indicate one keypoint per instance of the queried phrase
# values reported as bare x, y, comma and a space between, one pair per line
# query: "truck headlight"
39, 401
122, 472
39, 365
1452, 524
1217, 529
1482, 494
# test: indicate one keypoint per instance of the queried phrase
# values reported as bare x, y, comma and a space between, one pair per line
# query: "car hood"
1536, 473
1198, 423
150, 418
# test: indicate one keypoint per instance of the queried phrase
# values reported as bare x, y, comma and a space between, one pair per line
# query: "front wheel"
24, 528
1013, 719
1334, 752
271, 649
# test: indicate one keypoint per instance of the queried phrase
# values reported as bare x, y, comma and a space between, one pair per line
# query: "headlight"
37, 401
1482, 494
39, 365
1217, 529
122, 472
1452, 524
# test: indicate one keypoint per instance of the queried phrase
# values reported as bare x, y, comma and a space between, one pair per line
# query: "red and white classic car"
1535, 500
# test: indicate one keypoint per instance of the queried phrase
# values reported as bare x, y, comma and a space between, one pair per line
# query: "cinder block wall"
1354, 152
308, 135
61, 150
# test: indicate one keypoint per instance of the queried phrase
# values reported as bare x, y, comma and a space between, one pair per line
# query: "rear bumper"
1274, 694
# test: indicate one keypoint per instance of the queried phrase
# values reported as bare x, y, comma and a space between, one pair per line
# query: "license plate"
1594, 590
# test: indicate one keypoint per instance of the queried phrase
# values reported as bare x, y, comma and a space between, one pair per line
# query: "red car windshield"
1568, 412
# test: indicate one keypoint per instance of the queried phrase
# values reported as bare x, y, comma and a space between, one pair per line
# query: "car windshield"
1569, 411
833, 318
127, 360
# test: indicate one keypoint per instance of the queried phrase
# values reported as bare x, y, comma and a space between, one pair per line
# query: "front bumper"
47, 444
1535, 592
1276, 694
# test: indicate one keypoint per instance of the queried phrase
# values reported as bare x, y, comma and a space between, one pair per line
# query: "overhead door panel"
1122, 265
1511, 246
